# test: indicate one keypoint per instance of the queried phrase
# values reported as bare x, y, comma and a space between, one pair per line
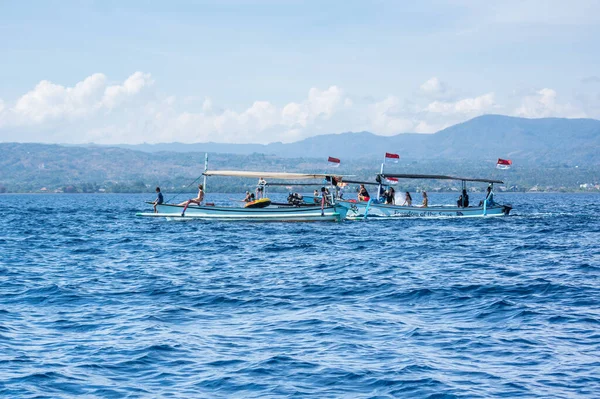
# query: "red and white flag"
503, 163
389, 157
391, 180
333, 162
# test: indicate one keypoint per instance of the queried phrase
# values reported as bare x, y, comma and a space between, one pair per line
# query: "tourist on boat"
363, 194
425, 200
382, 193
159, 199
295, 199
390, 196
316, 195
407, 200
198, 200
249, 197
325, 197
489, 196
260, 188
459, 202
465, 199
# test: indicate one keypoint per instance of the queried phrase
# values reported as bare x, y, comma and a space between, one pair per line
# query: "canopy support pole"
205, 169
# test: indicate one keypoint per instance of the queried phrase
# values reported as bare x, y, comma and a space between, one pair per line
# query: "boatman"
159, 199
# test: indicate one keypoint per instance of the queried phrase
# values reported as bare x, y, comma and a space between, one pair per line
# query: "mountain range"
553, 153
545, 141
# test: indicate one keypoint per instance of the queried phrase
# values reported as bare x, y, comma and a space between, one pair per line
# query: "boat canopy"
265, 175
338, 181
438, 177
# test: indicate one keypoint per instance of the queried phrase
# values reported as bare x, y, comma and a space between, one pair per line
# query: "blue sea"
96, 302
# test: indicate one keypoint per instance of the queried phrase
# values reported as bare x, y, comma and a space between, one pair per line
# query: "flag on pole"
391, 180
333, 162
503, 163
392, 157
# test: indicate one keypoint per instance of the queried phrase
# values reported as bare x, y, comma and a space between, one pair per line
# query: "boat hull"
357, 210
270, 214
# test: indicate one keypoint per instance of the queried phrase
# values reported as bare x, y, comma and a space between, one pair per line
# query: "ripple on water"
98, 303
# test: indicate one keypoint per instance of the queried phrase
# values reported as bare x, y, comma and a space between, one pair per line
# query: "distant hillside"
545, 141
550, 153
50, 168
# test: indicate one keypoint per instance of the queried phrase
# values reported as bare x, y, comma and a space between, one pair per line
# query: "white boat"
375, 209
334, 213
330, 213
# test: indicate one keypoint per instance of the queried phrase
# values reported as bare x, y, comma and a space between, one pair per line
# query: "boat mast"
205, 169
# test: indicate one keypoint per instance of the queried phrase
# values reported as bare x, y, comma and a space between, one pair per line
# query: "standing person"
407, 200
159, 199
465, 199
260, 187
198, 200
363, 194
324, 200
425, 200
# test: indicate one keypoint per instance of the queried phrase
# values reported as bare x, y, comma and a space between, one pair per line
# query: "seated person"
425, 200
249, 197
198, 200
459, 202
465, 199
382, 193
390, 196
316, 197
407, 200
363, 194
489, 197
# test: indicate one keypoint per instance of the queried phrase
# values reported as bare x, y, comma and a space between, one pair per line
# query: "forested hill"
544, 141
54, 168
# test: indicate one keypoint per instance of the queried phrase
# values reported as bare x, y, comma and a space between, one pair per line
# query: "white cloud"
476, 105
132, 112
113, 95
50, 102
321, 104
433, 86
543, 103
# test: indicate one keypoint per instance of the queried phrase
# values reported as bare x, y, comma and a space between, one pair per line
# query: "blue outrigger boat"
377, 209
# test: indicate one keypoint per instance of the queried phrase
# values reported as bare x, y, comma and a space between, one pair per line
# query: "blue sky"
262, 71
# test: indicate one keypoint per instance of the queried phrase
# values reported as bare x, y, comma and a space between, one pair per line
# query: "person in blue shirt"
159, 199
489, 197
